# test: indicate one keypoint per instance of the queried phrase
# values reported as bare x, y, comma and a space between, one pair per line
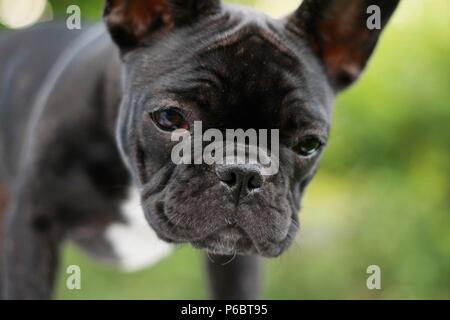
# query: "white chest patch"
134, 242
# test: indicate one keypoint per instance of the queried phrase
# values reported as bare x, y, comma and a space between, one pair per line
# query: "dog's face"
232, 68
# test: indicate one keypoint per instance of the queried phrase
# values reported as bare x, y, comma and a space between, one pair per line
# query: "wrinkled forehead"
242, 66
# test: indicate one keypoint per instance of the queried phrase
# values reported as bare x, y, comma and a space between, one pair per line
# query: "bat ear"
342, 33
130, 22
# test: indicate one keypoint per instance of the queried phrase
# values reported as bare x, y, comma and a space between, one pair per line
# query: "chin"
227, 241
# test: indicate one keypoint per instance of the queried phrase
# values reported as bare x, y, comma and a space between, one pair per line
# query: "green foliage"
381, 197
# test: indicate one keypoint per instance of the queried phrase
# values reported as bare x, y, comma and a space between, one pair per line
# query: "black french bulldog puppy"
85, 130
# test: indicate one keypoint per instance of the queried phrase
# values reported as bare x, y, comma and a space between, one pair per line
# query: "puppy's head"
233, 68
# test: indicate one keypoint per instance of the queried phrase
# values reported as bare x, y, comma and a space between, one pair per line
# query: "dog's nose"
241, 179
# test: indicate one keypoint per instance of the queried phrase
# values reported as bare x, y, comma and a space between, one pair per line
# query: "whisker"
174, 223
209, 257
232, 258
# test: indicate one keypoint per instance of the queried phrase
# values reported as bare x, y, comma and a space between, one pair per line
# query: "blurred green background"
382, 196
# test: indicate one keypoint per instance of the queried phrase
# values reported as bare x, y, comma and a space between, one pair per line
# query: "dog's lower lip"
227, 232
239, 241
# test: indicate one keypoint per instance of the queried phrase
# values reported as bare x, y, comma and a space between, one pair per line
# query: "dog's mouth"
226, 239
229, 240
253, 227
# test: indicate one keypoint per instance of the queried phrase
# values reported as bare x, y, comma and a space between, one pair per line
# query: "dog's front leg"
237, 278
30, 256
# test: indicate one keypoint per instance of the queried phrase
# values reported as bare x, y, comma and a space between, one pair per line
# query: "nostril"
230, 179
255, 182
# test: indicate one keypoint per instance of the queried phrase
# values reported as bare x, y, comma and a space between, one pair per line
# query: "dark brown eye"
169, 119
308, 146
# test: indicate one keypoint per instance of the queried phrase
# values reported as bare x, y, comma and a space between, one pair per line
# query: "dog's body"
77, 157
116, 232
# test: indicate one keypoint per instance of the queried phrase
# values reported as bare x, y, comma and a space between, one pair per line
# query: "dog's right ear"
130, 22
337, 31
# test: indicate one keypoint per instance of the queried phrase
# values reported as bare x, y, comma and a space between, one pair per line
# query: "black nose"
241, 179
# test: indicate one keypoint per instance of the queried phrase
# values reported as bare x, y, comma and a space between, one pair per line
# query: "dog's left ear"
131, 22
342, 33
